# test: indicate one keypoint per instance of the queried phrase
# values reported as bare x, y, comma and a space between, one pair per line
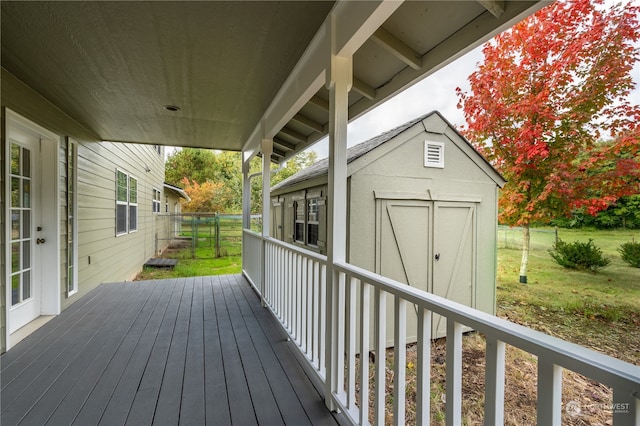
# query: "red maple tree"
548, 92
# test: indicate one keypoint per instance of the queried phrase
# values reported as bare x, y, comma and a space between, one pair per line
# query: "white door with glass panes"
26, 237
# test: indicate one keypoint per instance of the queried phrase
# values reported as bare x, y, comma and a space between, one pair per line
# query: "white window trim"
74, 145
130, 231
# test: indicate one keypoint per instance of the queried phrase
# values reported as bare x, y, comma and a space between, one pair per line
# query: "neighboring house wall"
100, 255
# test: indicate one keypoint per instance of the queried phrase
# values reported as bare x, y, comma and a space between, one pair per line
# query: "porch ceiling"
114, 66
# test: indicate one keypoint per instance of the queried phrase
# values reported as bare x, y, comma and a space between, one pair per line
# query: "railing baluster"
454, 373
341, 288
494, 382
626, 407
303, 304
380, 365
549, 393
423, 385
399, 360
323, 321
351, 341
314, 315
309, 309
365, 312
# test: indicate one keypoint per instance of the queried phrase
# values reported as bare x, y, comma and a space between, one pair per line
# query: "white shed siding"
402, 213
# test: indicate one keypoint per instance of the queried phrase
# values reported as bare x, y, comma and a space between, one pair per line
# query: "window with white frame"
133, 204
126, 203
298, 214
313, 222
156, 201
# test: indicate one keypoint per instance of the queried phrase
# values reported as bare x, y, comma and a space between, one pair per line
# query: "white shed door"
277, 222
454, 255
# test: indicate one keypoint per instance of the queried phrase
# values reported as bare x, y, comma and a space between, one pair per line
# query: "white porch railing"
295, 290
252, 258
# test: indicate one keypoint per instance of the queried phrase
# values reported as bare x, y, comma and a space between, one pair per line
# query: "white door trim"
50, 205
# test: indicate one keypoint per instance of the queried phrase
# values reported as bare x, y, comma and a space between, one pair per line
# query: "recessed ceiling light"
172, 108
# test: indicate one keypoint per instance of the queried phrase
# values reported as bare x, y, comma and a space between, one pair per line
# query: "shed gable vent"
434, 154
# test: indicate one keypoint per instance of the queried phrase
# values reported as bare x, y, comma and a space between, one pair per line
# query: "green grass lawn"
600, 310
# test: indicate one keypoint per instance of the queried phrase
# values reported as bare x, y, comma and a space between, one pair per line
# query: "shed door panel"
404, 243
454, 254
277, 222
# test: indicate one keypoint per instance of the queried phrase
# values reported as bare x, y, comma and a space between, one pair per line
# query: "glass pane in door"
20, 208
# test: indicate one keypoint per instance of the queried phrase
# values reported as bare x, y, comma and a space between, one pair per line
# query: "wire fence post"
217, 234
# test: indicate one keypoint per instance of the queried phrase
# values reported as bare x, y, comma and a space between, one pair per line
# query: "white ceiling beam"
319, 102
293, 134
308, 123
363, 88
495, 7
284, 144
397, 48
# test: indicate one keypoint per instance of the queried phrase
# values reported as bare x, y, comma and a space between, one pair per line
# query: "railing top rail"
606, 369
308, 253
252, 233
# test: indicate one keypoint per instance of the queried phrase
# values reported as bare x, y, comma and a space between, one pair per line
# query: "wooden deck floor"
187, 351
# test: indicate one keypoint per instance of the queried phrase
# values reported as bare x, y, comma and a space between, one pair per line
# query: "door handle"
40, 241
437, 256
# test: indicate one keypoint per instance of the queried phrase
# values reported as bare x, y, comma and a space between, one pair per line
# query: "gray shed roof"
321, 167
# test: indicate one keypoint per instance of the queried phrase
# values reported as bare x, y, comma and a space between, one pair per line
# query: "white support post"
246, 192
549, 393
246, 204
339, 83
267, 150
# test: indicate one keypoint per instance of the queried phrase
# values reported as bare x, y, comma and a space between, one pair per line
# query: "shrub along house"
422, 210
267, 78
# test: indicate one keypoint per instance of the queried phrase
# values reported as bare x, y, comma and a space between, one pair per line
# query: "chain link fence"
207, 235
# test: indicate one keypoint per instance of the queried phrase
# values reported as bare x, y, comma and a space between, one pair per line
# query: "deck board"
184, 351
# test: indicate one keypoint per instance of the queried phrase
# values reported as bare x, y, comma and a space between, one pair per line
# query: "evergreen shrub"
630, 253
579, 255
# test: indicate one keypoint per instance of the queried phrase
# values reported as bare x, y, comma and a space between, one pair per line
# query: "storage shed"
422, 206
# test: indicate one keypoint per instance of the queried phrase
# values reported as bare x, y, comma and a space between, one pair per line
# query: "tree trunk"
526, 239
